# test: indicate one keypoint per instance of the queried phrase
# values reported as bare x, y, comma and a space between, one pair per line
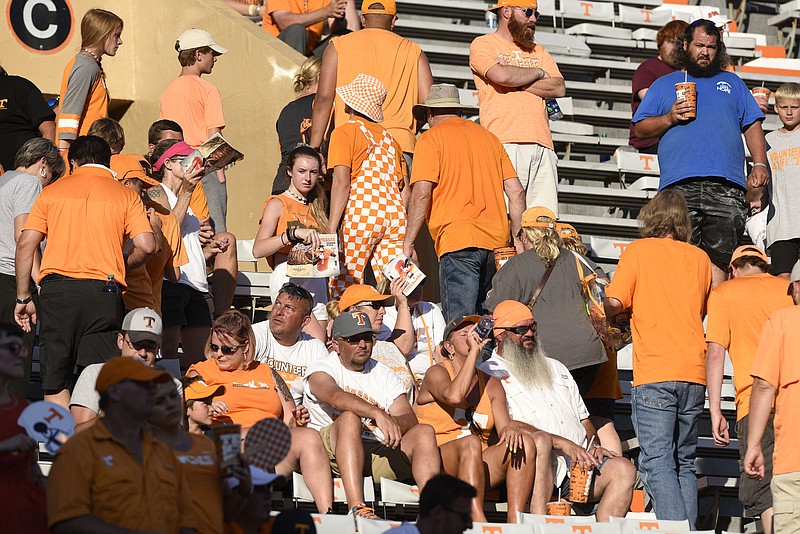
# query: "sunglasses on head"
519, 330
295, 290
223, 349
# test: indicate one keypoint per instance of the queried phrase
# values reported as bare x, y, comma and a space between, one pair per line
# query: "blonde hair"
789, 90
307, 75
97, 25
666, 215
332, 307
545, 242
575, 245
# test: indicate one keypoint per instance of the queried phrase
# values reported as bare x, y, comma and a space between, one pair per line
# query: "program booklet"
216, 153
304, 262
402, 265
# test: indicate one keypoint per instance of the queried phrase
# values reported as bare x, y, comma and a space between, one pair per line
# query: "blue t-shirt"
711, 144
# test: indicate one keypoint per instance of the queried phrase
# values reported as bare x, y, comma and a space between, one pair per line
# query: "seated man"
300, 24
140, 337
281, 342
542, 393
360, 408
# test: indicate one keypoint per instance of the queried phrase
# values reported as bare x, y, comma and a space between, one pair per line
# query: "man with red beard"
514, 76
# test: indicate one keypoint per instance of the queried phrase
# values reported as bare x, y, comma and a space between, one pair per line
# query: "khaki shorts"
385, 462
786, 502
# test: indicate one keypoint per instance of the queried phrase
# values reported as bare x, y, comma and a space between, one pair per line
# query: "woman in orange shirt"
464, 406
252, 393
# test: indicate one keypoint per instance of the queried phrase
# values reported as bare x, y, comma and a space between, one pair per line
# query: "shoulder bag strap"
542, 282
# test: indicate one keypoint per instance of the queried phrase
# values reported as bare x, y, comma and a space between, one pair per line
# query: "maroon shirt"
648, 72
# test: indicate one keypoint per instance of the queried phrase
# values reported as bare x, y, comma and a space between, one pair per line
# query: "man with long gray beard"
514, 75
541, 393
713, 182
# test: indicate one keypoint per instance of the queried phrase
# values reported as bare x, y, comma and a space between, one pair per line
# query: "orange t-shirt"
737, 310
777, 363
250, 394
468, 166
201, 467
293, 214
297, 7
450, 422
666, 284
83, 98
195, 104
395, 62
86, 218
349, 147
513, 116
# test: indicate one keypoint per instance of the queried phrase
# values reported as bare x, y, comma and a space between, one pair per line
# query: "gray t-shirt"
563, 324
17, 194
783, 215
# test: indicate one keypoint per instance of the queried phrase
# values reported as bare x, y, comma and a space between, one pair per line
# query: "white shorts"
536, 167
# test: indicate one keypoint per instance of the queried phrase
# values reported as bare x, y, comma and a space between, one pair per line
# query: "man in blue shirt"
703, 157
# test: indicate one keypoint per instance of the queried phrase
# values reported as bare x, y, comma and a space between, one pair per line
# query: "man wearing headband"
737, 311
514, 75
542, 394
87, 218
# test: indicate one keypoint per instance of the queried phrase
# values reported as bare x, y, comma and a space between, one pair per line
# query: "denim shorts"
718, 210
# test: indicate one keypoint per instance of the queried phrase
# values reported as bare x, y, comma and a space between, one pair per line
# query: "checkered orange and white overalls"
374, 222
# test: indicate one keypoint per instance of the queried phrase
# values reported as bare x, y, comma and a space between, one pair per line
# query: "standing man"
649, 71
775, 378
116, 477
737, 310
398, 63
461, 164
514, 75
86, 218
196, 105
714, 183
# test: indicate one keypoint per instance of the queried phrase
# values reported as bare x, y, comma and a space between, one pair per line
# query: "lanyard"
427, 334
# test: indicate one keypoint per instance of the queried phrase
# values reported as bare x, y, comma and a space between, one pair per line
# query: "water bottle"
484, 328
491, 19
111, 285
553, 110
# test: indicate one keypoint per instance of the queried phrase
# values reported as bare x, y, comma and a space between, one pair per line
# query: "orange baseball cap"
510, 313
747, 250
118, 369
533, 4
538, 217
132, 166
359, 293
387, 7
200, 390
567, 230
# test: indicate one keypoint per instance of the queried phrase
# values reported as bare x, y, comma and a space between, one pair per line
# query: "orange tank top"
293, 214
453, 422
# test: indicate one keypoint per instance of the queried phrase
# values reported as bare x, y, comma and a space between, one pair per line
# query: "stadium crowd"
124, 264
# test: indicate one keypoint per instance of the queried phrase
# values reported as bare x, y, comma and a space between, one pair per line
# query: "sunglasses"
474, 427
223, 349
519, 330
374, 305
146, 345
296, 291
14, 347
366, 337
529, 11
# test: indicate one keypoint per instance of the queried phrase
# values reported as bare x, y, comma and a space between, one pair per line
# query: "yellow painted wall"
254, 78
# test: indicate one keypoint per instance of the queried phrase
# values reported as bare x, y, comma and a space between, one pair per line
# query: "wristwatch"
25, 300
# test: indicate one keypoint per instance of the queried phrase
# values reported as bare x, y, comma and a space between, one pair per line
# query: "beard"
522, 34
700, 71
529, 366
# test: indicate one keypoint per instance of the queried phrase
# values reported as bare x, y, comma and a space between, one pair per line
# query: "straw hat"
364, 94
441, 95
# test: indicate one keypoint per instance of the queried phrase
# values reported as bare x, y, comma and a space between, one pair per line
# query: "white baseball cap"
143, 324
197, 38
710, 13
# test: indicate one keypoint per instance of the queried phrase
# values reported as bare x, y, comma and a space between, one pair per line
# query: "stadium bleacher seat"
630, 524
303, 494
334, 524
537, 519
591, 528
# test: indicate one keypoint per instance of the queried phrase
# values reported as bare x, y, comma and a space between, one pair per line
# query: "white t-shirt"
376, 384
556, 408
85, 393
428, 322
193, 274
290, 362
387, 353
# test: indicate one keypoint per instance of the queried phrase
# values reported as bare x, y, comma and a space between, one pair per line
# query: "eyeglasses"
223, 349
296, 291
366, 337
146, 345
466, 517
14, 347
474, 427
529, 11
519, 330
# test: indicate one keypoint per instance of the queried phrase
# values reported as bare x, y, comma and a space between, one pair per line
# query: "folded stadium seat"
301, 492
593, 528
374, 526
500, 528
631, 524
537, 519
334, 524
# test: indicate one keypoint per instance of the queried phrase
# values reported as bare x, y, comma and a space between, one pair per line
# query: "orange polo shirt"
94, 474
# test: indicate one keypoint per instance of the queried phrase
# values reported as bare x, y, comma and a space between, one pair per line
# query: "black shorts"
718, 210
755, 494
183, 305
783, 255
79, 322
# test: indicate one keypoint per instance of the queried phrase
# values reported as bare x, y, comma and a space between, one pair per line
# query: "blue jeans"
464, 278
666, 418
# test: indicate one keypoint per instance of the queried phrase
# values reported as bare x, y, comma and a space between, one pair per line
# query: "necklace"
94, 56
296, 197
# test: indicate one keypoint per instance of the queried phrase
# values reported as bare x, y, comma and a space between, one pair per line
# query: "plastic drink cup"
580, 482
559, 508
502, 255
761, 92
688, 91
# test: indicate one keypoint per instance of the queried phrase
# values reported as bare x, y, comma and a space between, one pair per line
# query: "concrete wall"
254, 79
